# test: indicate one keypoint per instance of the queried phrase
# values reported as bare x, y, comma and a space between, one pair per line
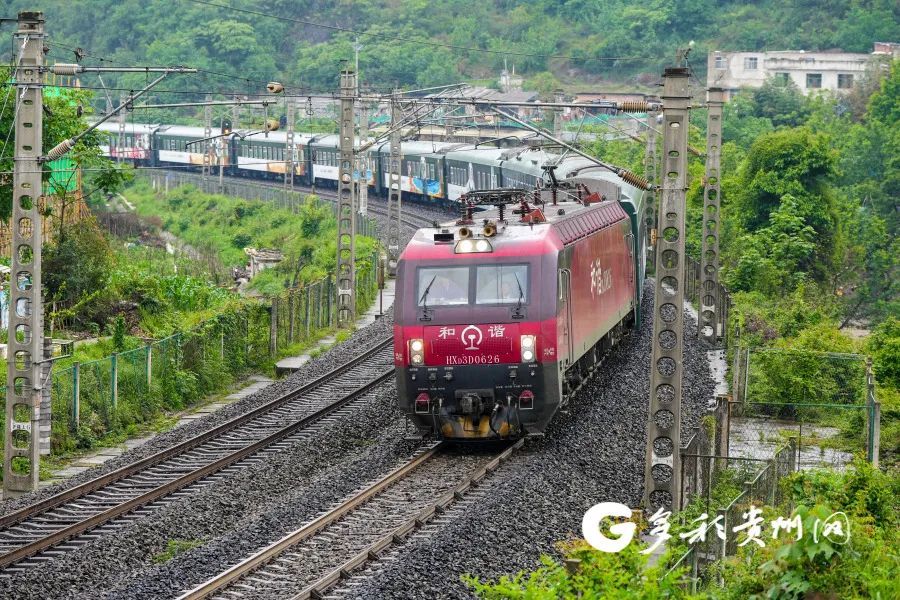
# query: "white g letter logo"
590, 527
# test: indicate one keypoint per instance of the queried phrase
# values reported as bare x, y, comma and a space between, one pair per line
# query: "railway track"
74, 517
308, 561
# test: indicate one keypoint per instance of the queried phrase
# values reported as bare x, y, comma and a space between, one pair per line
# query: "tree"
799, 165
77, 266
781, 102
61, 121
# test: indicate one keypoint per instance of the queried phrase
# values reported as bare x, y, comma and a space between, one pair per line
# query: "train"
433, 173
503, 314
498, 319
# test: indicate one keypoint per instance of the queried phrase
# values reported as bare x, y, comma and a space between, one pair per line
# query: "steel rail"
264, 556
185, 480
128, 470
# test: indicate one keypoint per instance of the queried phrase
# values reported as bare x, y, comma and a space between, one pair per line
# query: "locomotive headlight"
416, 351
467, 246
526, 343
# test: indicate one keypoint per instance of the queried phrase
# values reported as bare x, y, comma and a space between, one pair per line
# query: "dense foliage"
864, 567
225, 225
415, 43
65, 115
595, 575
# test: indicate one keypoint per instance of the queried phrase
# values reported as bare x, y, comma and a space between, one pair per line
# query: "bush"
865, 567
621, 576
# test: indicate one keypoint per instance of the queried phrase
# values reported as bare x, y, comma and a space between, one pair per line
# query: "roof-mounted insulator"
634, 179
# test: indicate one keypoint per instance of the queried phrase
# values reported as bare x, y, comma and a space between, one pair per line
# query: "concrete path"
292, 363
100, 456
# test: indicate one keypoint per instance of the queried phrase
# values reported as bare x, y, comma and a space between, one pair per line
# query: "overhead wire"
18, 100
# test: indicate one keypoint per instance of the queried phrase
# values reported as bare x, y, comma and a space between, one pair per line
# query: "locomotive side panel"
596, 289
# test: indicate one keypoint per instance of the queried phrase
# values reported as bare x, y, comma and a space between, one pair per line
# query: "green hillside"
416, 43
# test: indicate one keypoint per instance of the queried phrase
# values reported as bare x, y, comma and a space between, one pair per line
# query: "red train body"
493, 330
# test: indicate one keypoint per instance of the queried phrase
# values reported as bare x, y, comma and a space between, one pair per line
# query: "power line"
420, 41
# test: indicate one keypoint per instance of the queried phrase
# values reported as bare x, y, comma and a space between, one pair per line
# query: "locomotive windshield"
443, 286
494, 284
501, 284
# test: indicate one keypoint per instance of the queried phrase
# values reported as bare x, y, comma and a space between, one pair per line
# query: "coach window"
500, 284
445, 286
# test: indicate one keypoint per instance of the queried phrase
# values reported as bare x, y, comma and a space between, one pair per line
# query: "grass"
174, 548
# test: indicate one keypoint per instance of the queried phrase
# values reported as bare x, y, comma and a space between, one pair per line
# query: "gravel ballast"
334, 357
595, 453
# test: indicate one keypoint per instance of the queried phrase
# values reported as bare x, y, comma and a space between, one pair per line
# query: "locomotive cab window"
501, 284
442, 286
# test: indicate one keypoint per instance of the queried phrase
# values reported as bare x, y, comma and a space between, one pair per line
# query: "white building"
810, 71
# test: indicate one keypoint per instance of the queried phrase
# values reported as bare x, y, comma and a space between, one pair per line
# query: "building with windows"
810, 71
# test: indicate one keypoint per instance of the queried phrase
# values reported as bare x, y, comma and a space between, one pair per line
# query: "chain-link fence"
118, 393
723, 488
165, 181
826, 401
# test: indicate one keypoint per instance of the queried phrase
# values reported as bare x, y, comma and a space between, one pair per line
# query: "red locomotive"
497, 323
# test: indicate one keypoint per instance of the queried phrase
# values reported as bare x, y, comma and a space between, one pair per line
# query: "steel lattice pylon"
662, 478
710, 300
346, 215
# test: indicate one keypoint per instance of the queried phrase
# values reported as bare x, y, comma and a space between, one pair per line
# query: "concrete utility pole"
363, 160
236, 114
346, 215
120, 141
289, 149
558, 96
21, 459
710, 302
662, 478
207, 134
395, 192
651, 173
